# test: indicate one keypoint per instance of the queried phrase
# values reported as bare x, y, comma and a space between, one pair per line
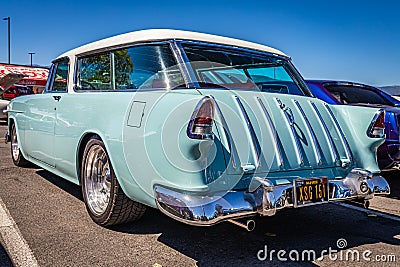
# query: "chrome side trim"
341, 134
14, 111
265, 200
311, 133
332, 148
253, 136
290, 121
274, 133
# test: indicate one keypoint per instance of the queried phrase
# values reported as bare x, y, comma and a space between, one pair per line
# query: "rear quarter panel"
355, 122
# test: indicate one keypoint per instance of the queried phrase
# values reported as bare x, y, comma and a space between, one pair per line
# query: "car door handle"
57, 97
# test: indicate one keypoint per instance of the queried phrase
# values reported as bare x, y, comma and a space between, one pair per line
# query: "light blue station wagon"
204, 128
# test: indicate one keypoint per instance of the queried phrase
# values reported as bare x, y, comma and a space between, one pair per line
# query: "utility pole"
31, 54
9, 39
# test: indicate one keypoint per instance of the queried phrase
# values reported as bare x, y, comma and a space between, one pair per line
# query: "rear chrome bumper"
265, 200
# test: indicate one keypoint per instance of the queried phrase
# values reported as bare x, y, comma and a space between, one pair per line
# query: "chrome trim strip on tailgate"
316, 147
253, 137
274, 133
227, 134
290, 121
341, 134
334, 153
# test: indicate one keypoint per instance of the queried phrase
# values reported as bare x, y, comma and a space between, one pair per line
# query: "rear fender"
355, 122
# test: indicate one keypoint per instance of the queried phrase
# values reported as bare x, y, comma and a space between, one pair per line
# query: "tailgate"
264, 133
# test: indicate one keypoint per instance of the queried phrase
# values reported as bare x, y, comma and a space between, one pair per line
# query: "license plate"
311, 191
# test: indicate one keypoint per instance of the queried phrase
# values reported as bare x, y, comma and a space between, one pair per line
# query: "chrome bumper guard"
7, 138
265, 199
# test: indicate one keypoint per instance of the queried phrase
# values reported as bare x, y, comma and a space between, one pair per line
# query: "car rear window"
229, 68
352, 95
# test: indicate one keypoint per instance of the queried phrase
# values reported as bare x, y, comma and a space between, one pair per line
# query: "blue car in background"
349, 93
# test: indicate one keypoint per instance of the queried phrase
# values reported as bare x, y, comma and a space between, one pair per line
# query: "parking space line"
13, 242
370, 211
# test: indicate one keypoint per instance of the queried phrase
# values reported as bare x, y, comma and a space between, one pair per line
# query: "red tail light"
377, 128
200, 125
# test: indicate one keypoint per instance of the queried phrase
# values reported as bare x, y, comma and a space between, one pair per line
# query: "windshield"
230, 68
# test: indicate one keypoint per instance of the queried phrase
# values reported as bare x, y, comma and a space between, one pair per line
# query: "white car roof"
166, 34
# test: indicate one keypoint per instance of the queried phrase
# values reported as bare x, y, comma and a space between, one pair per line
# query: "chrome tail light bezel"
376, 131
194, 127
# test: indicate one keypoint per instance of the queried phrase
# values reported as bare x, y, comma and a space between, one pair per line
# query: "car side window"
59, 77
146, 66
94, 72
132, 68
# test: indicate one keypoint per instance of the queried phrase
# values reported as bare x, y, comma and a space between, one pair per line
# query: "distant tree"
123, 66
98, 68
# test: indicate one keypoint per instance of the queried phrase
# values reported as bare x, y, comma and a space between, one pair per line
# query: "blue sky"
348, 40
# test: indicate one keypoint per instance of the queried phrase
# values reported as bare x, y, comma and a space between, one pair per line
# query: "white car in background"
3, 106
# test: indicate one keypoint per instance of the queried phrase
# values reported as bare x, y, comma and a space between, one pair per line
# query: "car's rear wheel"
105, 201
16, 154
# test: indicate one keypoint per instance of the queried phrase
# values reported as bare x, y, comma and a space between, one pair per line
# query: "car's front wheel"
16, 154
105, 201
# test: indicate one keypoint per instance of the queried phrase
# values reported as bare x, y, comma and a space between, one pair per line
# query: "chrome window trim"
112, 70
231, 47
49, 78
52, 73
120, 46
299, 78
184, 65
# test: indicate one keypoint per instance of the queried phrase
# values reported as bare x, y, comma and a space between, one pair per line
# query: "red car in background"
15, 91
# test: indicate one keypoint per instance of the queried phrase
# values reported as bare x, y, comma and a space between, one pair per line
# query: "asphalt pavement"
51, 216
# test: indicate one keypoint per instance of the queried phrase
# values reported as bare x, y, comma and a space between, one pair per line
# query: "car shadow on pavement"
307, 230
393, 178
315, 229
5, 261
63, 184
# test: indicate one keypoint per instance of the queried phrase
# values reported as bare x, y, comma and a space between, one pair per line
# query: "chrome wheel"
104, 198
97, 176
14, 144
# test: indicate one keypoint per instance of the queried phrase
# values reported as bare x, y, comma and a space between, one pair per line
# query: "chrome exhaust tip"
249, 225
